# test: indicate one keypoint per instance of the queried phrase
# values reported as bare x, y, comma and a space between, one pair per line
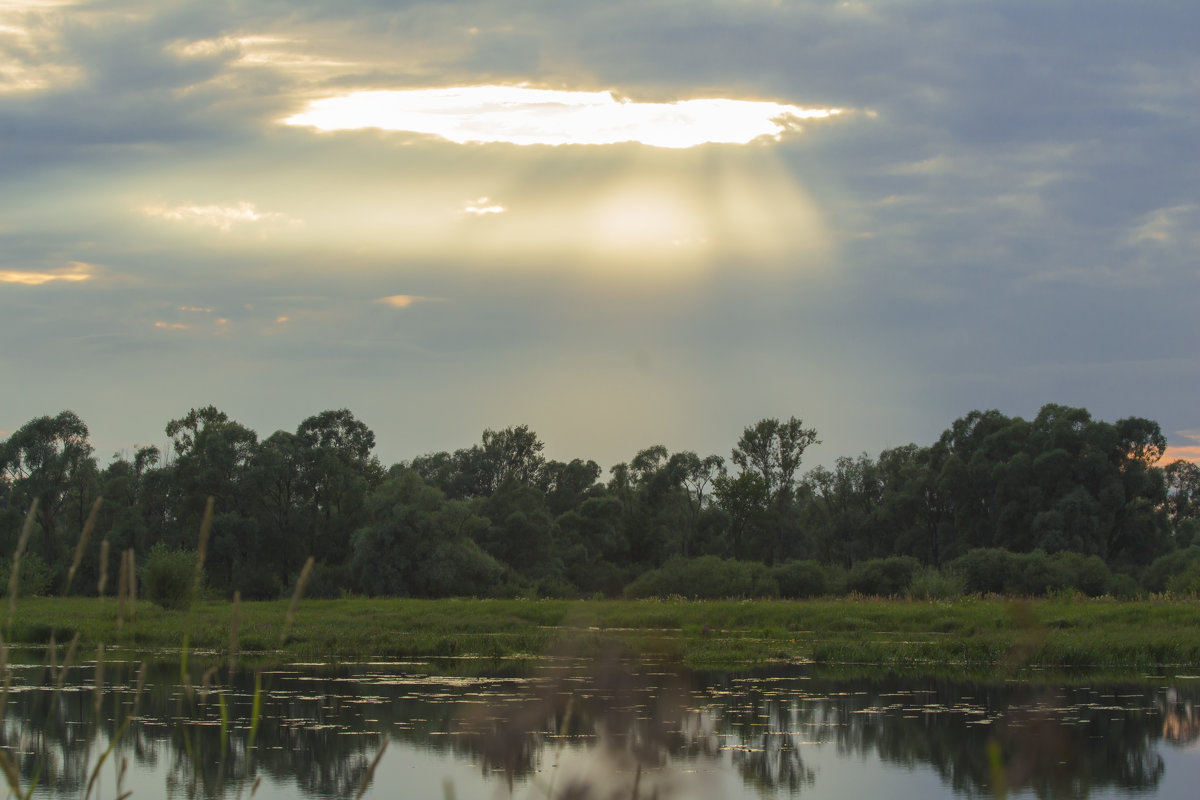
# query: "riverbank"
980, 634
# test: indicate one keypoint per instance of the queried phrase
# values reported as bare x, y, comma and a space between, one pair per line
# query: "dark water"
568, 729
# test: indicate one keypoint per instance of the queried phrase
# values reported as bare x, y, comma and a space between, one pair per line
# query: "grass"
894, 634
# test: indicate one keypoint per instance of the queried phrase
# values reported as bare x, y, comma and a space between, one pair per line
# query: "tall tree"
773, 450
50, 459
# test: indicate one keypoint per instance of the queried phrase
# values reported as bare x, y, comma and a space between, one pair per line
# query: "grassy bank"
988, 634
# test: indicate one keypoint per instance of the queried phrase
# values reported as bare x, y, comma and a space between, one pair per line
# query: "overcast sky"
899, 212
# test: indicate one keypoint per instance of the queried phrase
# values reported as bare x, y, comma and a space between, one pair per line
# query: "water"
570, 729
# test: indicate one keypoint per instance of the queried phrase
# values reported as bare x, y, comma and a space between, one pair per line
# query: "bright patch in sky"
482, 207
523, 115
402, 300
78, 271
220, 217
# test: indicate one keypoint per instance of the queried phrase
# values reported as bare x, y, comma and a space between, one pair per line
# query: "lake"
563, 728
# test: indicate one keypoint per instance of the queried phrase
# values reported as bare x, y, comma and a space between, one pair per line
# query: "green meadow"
993, 635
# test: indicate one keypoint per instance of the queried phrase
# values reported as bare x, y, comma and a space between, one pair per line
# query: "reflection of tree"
320, 727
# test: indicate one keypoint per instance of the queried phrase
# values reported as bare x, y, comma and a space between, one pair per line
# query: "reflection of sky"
1005, 215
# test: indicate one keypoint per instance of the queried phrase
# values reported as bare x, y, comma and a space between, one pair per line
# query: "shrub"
1162, 569
36, 579
986, 570
1088, 574
706, 577
168, 576
1124, 587
930, 583
328, 581
800, 579
882, 577
1037, 574
1186, 583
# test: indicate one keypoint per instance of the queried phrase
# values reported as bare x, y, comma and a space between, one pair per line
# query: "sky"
622, 224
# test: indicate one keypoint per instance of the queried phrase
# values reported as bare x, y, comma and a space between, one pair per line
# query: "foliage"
1058, 503
37, 578
931, 583
168, 577
706, 577
419, 544
800, 579
882, 577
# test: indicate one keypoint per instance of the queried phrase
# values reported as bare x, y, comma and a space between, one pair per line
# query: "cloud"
406, 300
31, 57
77, 271
220, 217
174, 326
525, 115
482, 207
1165, 225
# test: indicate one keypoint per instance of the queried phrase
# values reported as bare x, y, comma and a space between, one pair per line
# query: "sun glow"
527, 116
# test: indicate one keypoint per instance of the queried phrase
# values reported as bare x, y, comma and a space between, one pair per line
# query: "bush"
705, 578
930, 583
882, 577
986, 570
800, 579
1186, 583
1037, 574
1124, 587
36, 579
1088, 574
328, 581
1160, 572
168, 577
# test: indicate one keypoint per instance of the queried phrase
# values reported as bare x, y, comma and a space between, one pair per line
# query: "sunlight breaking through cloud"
483, 206
77, 271
404, 300
220, 217
525, 116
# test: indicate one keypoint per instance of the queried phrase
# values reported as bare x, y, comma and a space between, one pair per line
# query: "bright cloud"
77, 271
526, 116
404, 300
174, 326
31, 57
482, 207
220, 217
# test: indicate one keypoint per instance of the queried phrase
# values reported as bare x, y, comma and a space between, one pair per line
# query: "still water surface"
570, 729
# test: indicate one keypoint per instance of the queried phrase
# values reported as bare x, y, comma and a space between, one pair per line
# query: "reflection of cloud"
482, 207
220, 217
524, 115
78, 271
405, 300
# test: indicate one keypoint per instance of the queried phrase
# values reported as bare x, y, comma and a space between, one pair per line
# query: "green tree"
773, 450
416, 543
50, 459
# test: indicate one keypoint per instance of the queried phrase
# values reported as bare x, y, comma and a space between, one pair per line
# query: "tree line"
499, 518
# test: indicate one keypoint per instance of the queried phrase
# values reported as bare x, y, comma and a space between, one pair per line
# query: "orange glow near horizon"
1187, 452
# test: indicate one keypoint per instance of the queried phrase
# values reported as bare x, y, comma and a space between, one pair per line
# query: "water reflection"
565, 729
